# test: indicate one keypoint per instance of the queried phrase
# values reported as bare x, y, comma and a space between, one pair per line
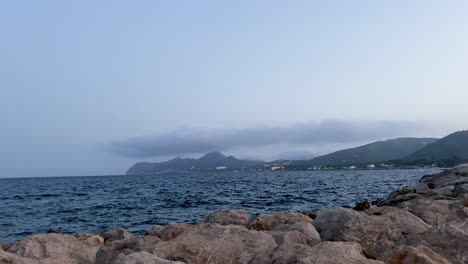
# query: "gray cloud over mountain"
201, 140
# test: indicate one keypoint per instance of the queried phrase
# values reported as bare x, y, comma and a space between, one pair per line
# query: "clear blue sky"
79, 79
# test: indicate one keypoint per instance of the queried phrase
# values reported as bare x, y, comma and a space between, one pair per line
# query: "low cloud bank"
201, 140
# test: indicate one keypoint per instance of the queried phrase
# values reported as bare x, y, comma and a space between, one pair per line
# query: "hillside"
208, 162
376, 152
448, 151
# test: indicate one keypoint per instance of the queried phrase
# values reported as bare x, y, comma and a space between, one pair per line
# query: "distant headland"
393, 153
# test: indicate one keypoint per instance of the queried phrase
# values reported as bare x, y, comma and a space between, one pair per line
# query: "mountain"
377, 152
448, 151
210, 161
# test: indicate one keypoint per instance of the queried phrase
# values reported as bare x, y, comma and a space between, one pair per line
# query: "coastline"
426, 223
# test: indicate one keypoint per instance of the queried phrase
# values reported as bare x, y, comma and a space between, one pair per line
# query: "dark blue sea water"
93, 204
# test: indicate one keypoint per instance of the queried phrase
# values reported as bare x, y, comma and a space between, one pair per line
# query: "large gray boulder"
400, 219
436, 211
448, 240
270, 221
378, 233
231, 217
213, 243
293, 241
55, 248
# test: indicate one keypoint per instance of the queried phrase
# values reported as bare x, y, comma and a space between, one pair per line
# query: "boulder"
116, 234
452, 176
361, 206
448, 240
94, 240
8, 258
398, 196
116, 250
154, 231
285, 253
398, 218
54, 248
335, 253
270, 221
298, 233
312, 214
377, 236
213, 243
465, 200
171, 231
436, 212
293, 241
143, 258
415, 255
231, 217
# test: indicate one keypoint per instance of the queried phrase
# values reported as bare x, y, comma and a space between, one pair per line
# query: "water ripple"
94, 204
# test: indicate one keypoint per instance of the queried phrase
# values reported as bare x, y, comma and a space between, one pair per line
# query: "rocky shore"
422, 224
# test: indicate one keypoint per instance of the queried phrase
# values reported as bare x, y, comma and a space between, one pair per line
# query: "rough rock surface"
213, 243
119, 249
436, 211
116, 234
270, 221
231, 217
376, 237
143, 258
336, 253
154, 231
448, 240
298, 233
397, 219
416, 255
171, 231
55, 248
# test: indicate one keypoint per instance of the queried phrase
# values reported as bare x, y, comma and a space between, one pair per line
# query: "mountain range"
377, 152
448, 151
211, 161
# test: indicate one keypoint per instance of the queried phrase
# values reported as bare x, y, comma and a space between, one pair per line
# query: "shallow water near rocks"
97, 203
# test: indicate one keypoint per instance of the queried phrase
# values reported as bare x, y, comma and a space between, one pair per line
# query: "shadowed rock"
116, 234
269, 222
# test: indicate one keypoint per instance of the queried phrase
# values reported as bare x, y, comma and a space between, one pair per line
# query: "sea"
92, 204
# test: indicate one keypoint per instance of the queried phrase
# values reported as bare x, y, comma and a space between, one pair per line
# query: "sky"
91, 87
